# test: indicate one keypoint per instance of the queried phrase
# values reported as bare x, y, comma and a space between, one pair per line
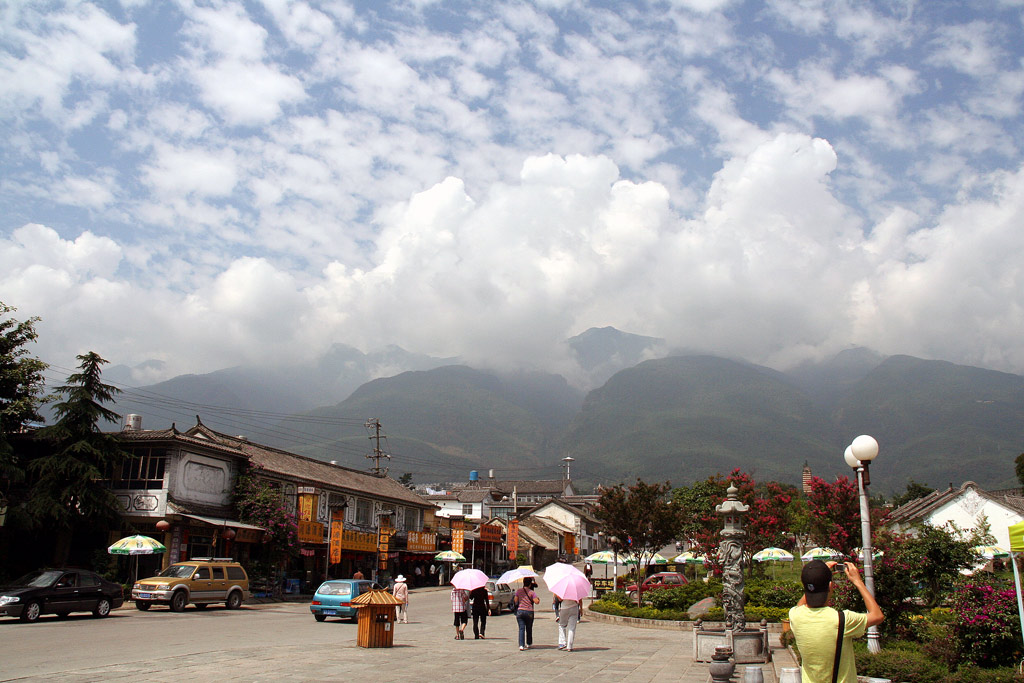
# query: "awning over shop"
215, 521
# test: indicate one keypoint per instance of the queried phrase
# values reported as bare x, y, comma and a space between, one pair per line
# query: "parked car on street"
659, 581
200, 581
334, 598
499, 596
60, 592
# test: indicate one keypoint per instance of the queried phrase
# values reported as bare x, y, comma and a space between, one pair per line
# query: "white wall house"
967, 507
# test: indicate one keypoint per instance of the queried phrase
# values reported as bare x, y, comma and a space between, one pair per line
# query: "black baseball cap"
816, 578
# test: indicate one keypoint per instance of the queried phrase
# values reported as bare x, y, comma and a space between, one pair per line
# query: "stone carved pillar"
730, 555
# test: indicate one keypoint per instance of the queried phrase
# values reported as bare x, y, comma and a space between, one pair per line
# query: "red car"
659, 581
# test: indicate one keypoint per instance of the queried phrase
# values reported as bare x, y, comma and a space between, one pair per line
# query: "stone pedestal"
749, 646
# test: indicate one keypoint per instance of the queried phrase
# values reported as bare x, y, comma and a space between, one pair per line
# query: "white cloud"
241, 180
202, 172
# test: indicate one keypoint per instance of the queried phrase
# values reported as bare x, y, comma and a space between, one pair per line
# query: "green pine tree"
67, 477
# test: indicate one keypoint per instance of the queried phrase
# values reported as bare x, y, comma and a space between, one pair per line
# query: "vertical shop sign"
337, 535
458, 528
512, 540
175, 551
307, 504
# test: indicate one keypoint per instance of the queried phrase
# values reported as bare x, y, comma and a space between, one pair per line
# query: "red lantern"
228, 534
163, 525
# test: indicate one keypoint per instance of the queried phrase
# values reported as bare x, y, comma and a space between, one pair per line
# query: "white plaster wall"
967, 510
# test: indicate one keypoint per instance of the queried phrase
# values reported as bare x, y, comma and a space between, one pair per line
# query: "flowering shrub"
986, 629
261, 504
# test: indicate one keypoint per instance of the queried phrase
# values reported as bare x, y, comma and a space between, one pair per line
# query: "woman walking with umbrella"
524, 599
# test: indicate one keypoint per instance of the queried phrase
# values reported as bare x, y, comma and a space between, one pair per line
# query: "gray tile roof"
922, 507
284, 464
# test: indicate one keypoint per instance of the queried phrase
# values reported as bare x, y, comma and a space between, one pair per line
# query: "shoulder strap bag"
839, 646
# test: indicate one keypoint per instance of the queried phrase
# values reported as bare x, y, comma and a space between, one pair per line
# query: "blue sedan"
334, 598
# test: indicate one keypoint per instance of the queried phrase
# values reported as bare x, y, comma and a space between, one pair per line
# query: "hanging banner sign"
512, 538
491, 533
337, 532
307, 507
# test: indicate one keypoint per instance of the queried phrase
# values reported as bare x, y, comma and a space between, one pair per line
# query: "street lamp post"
859, 455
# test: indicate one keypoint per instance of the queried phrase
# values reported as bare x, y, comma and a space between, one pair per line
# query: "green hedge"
754, 614
903, 661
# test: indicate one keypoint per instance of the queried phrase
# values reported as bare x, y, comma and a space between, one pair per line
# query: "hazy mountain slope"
684, 418
447, 421
290, 388
938, 422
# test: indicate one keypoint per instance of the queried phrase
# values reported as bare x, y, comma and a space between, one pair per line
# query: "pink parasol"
569, 585
468, 579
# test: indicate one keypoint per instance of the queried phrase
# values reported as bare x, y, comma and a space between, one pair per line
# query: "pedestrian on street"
479, 598
401, 592
569, 615
460, 602
525, 598
418, 575
358, 576
823, 646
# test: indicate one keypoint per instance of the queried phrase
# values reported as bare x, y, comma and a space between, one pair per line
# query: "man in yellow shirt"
816, 626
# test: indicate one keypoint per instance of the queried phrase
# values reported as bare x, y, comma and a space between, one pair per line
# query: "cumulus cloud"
243, 182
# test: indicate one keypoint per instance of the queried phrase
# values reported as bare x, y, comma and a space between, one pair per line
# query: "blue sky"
207, 184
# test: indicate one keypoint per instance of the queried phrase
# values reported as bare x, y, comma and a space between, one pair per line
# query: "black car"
60, 592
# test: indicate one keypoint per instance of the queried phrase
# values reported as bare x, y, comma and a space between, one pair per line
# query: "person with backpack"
825, 635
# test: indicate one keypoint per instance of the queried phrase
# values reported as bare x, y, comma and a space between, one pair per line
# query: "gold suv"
200, 581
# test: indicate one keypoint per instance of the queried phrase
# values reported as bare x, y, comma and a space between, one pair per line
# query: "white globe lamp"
864, 447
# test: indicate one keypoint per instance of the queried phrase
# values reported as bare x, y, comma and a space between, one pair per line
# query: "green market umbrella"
990, 552
605, 557
821, 553
137, 545
773, 555
450, 556
657, 558
689, 557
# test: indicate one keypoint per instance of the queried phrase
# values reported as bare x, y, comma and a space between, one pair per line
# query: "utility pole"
373, 424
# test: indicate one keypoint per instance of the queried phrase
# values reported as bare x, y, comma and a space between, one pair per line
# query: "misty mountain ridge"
681, 417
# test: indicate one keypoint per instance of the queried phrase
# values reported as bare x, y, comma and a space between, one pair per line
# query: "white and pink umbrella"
468, 579
567, 582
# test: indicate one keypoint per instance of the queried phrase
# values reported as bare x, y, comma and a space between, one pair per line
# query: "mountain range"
677, 416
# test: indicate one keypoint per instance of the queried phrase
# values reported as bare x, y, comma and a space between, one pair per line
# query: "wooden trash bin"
376, 618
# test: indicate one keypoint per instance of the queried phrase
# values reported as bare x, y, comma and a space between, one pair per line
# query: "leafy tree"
67, 491
406, 480
938, 554
261, 504
1019, 462
642, 517
914, 491
835, 513
768, 521
21, 386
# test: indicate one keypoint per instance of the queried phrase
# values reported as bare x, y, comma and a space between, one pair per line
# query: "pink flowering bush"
261, 504
986, 627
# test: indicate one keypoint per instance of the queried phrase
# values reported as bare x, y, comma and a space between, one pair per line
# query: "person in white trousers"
569, 614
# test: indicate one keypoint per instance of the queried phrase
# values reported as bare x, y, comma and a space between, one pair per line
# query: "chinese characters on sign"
490, 533
513, 537
337, 533
457, 535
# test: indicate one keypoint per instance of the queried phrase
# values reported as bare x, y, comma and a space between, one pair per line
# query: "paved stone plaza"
280, 641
